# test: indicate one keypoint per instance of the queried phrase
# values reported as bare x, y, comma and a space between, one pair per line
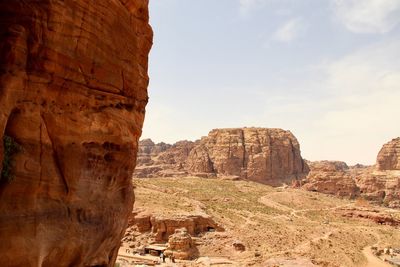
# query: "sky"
327, 70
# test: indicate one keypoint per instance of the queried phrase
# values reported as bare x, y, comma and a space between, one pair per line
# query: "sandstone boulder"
72, 96
181, 245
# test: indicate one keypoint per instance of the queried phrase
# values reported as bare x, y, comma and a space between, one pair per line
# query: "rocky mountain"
72, 96
270, 156
379, 183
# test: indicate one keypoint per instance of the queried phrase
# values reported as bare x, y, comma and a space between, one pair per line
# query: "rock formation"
389, 156
181, 245
162, 160
270, 156
331, 177
162, 227
73, 95
379, 183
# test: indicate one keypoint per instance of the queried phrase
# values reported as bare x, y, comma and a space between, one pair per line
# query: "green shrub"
11, 147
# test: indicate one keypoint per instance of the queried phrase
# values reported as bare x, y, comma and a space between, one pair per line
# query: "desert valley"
82, 185
246, 197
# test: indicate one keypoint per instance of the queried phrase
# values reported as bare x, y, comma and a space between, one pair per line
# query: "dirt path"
372, 260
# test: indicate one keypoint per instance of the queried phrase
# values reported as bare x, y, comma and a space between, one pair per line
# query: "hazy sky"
327, 70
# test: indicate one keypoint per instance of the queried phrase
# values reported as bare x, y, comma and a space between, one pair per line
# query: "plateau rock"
270, 156
73, 95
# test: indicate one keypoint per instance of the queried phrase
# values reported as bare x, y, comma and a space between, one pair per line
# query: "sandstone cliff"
379, 183
331, 177
270, 156
162, 160
389, 156
73, 95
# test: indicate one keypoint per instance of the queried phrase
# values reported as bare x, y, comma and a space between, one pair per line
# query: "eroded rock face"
162, 160
163, 227
73, 95
389, 156
379, 183
270, 156
181, 245
331, 177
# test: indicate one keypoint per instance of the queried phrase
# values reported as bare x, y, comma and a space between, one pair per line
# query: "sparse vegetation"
11, 147
273, 222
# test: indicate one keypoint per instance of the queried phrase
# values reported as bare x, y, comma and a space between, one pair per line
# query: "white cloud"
347, 108
364, 90
289, 31
368, 16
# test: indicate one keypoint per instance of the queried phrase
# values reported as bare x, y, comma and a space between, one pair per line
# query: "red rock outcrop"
379, 183
370, 214
270, 156
162, 160
389, 156
162, 227
331, 177
73, 95
181, 245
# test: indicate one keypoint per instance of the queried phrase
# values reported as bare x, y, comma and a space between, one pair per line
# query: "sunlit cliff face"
73, 95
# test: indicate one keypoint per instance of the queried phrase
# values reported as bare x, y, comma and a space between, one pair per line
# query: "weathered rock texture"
270, 156
181, 245
379, 183
331, 177
73, 95
162, 160
389, 156
163, 227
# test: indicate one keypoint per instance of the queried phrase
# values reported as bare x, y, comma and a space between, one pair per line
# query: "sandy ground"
274, 224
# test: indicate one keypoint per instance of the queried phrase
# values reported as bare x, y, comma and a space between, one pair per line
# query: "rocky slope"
379, 183
270, 156
271, 226
73, 96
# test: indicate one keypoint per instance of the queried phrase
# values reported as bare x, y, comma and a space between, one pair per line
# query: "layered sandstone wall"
389, 156
72, 96
379, 183
331, 177
270, 156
